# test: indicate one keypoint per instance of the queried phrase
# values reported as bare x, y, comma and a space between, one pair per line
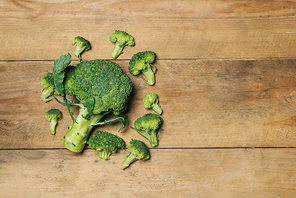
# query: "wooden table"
225, 79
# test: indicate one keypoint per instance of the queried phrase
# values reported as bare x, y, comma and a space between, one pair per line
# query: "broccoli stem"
130, 158
103, 154
77, 134
149, 74
78, 51
53, 124
45, 93
157, 108
117, 50
152, 137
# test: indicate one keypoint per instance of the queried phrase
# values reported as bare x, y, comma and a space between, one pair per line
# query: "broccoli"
81, 45
105, 143
149, 123
141, 62
121, 39
52, 117
137, 151
48, 87
150, 101
100, 86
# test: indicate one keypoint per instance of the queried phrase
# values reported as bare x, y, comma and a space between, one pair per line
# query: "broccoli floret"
137, 151
48, 87
101, 88
121, 39
141, 62
52, 117
81, 45
150, 101
105, 143
149, 123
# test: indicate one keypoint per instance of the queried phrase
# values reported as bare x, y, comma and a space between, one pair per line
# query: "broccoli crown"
122, 38
149, 100
139, 149
102, 80
105, 143
140, 62
53, 114
148, 122
81, 42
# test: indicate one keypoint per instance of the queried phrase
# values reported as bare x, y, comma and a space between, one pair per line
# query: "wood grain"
225, 79
206, 173
38, 30
206, 103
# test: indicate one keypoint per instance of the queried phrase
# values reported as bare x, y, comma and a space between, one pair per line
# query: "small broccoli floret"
48, 87
149, 123
141, 62
137, 151
121, 39
81, 45
150, 101
52, 117
105, 143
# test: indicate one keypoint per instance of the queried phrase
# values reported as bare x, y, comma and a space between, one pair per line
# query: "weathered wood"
37, 30
206, 103
169, 173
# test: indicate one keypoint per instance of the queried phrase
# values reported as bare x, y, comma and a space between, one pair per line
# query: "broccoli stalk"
117, 50
150, 101
130, 158
137, 151
121, 39
149, 74
149, 123
52, 117
141, 62
78, 133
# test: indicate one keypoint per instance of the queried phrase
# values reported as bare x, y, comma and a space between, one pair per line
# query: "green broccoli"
137, 151
52, 117
141, 62
48, 87
81, 45
100, 86
149, 123
150, 101
105, 143
121, 39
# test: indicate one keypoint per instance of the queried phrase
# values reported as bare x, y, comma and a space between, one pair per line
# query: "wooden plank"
206, 103
37, 30
169, 173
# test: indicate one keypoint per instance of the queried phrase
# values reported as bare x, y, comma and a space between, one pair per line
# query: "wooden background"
225, 80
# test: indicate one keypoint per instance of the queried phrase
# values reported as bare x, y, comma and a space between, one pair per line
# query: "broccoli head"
150, 101
105, 143
121, 39
137, 151
150, 123
81, 45
48, 87
141, 62
101, 87
52, 117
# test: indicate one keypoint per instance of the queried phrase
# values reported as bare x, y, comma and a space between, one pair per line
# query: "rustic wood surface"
225, 79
